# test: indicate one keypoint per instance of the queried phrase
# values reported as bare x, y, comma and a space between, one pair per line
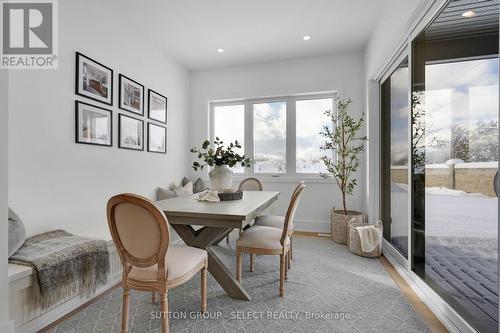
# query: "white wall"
383, 44
55, 183
340, 72
387, 34
5, 325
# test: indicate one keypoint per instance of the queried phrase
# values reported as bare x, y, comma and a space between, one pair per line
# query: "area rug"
328, 290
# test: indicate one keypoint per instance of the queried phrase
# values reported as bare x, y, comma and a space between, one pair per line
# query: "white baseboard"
445, 313
317, 226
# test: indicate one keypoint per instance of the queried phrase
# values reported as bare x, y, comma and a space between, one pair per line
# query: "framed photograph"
94, 125
131, 95
93, 80
157, 106
157, 139
130, 133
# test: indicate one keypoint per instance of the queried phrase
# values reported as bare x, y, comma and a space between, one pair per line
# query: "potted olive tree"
221, 158
343, 141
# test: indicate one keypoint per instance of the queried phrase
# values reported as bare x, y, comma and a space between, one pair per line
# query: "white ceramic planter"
221, 178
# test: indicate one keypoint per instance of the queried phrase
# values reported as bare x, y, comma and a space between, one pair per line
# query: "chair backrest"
292, 208
139, 230
297, 187
250, 184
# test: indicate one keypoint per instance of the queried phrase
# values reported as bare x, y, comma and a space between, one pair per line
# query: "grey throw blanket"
63, 263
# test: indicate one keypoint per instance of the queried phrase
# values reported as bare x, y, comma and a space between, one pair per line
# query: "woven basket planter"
355, 240
340, 224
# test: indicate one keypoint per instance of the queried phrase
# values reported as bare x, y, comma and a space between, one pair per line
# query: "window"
229, 126
394, 184
281, 135
269, 133
310, 119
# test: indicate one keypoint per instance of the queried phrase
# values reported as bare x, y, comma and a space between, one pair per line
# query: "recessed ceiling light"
306, 37
469, 13
220, 50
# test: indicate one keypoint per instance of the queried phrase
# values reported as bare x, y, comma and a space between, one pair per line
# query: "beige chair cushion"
267, 238
179, 261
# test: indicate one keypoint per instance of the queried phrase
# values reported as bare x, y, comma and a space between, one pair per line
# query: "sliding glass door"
395, 116
454, 154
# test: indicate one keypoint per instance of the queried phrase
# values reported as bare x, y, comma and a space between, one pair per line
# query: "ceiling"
253, 31
451, 24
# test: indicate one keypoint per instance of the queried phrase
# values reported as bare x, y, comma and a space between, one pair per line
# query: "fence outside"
467, 177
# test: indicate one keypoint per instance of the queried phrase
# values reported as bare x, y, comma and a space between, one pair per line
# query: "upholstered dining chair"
140, 232
248, 184
276, 221
270, 241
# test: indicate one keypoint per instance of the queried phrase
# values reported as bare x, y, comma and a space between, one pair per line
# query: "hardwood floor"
425, 313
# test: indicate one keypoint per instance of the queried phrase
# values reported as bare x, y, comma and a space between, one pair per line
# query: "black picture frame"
121, 79
164, 138
120, 116
77, 124
150, 94
79, 80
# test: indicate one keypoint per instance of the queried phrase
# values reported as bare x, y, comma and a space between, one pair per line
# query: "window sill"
308, 179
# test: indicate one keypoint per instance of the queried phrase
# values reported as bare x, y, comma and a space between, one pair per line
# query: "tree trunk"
343, 203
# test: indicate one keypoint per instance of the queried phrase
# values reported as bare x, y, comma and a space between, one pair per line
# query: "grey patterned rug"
328, 290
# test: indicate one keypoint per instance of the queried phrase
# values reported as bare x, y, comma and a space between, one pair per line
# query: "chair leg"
164, 312
291, 247
125, 309
289, 259
282, 275
204, 289
252, 262
287, 263
153, 297
238, 266
227, 238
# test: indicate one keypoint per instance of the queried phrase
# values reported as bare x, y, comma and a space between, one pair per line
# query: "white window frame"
291, 131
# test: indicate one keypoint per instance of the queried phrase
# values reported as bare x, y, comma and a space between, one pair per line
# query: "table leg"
205, 238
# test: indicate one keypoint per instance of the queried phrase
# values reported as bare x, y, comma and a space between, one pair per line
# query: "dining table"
204, 224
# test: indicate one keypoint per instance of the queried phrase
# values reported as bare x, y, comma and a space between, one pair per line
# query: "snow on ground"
451, 214
452, 218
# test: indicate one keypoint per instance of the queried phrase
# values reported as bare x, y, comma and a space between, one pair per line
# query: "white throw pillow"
184, 191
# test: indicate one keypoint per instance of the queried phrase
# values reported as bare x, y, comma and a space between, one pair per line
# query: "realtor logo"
29, 34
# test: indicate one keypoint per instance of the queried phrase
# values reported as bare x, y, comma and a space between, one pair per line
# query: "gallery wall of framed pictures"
94, 118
